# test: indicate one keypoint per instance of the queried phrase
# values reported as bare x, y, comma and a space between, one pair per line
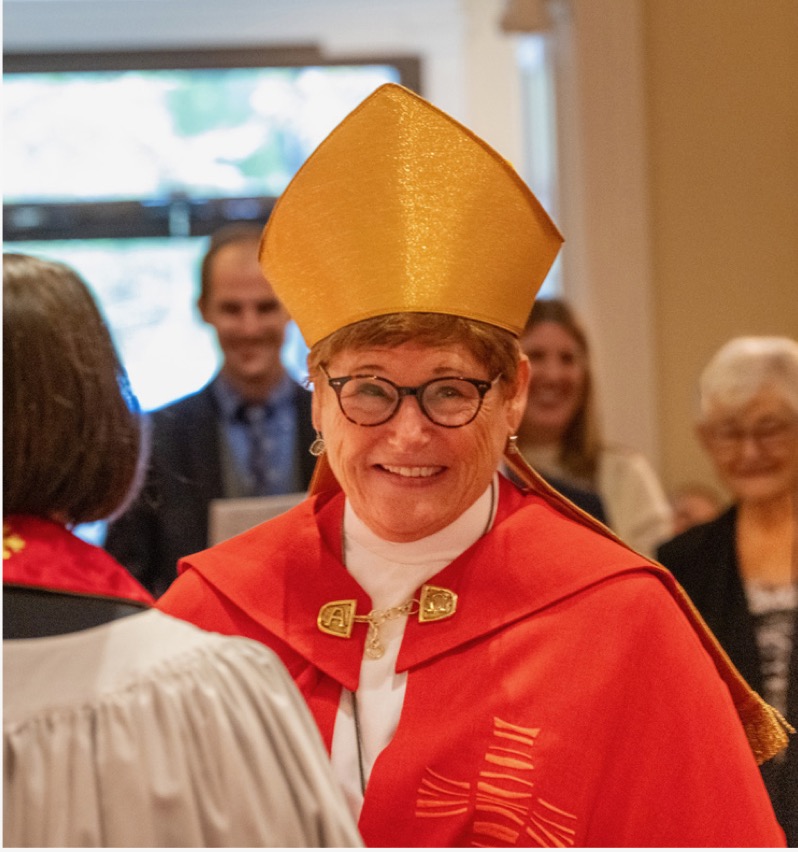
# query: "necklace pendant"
375, 652
374, 648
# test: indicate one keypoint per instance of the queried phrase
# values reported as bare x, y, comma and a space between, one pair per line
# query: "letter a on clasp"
337, 618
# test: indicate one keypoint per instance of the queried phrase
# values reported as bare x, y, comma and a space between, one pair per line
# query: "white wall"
433, 29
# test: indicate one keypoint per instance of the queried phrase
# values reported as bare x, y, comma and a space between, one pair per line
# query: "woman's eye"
371, 389
448, 392
445, 392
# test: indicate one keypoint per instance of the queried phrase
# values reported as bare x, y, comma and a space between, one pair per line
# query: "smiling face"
754, 446
557, 381
248, 318
409, 478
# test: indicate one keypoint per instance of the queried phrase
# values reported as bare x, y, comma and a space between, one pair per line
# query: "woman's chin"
404, 519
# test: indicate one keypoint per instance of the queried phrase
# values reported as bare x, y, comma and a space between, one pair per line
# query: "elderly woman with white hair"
741, 570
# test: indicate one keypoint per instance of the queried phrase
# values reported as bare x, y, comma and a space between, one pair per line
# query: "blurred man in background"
245, 434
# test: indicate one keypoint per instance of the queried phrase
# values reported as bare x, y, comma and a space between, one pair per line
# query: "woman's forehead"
550, 332
410, 356
768, 400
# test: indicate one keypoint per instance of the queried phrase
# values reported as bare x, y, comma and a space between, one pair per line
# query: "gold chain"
375, 619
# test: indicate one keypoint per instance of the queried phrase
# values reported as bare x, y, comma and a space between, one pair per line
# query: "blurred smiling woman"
560, 435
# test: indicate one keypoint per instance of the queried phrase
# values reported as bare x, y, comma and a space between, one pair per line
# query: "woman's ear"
315, 409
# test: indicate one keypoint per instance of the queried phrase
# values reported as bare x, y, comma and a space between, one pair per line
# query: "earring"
317, 448
512, 445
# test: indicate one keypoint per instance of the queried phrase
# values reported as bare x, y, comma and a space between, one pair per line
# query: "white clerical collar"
391, 571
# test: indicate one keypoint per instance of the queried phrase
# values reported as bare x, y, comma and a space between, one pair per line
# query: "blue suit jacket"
169, 519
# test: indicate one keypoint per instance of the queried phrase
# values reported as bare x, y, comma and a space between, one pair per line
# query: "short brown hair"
496, 348
72, 428
233, 233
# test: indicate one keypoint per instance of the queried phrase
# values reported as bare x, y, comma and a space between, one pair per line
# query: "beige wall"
599, 63
722, 112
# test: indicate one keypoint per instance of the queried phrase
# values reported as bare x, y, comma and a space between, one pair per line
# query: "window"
538, 110
121, 164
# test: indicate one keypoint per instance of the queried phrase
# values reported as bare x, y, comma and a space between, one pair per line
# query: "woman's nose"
549, 369
410, 423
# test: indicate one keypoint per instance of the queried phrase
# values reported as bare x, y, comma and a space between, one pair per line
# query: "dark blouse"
704, 560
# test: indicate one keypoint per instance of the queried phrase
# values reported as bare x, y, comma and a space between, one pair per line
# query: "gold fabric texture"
402, 209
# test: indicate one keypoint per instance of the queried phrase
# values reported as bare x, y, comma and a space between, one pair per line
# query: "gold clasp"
436, 604
337, 618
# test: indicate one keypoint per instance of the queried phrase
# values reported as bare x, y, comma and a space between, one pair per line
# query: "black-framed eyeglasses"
450, 401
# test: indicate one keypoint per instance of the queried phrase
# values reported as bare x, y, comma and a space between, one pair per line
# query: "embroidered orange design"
440, 797
506, 807
12, 543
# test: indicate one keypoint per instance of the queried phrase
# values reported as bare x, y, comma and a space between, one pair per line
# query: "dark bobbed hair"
72, 428
490, 345
231, 234
581, 442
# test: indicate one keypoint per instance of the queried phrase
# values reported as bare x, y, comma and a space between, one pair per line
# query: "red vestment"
570, 700
42, 554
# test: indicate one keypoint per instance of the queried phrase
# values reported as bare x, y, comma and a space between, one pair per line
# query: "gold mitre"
403, 209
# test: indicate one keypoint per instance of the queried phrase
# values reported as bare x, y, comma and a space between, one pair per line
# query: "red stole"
42, 554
